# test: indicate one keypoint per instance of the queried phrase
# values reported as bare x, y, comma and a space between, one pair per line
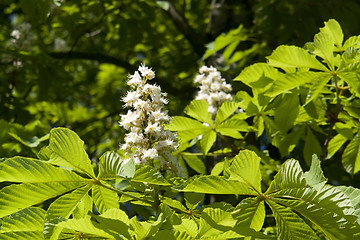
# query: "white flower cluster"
147, 140
213, 88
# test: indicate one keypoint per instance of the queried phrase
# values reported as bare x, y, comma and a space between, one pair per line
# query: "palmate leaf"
16, 197
295, 57
207, 140
115, 221
61, 209
186, 128
143, 230
198, 109
85, 226
194, 162
290, 176
290, 225
245, 168
67, 150
231, 128
171, 235
214, 221
250, 213
217, 185
286, 113
329, 209
104, 198
225, 111
292, 80
351, 155
258, 76
149, 175
112, 166
324, 47
354, 195
333, 28
41, 181
23, 225
188, 226
306, 195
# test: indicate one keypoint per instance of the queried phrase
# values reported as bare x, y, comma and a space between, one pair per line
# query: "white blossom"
213, 88
147, 141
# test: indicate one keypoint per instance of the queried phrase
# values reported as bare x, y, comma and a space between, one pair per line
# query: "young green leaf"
292, 56
245, 167
67, 150
149, 175
207, 140
315, 176
61, 209
225, 110
23, 225
112, 166
351, 155
286, 113
217, 185
187, 128
198, 109
214, 221
250, 212
290, 225
104, 198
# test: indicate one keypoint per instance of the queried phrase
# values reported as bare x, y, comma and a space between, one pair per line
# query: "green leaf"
351, 155
198, 109
225, 110
86, 227
290, 225
290, 176
144, 229
231, 128
20, 169
234, 35
17, 197
214, 221
67, 150
312, 146
315, 176
173, 204
104, 198
354, 195
171, 235
333, 28
207, 140
112, 166
23, 225
217, 185
193, 199
286, 113
250, 212
292, 80
352, 79
62, 207
188, 226
324, 47
187, 128
195, 163
329, 209
149, 175
115, 221
245, 168
316, 88
335, 144
258, 76
84, 206
292, 56
218, 168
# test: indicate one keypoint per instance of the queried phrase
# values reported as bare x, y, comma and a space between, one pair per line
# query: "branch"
196, 41
94, 57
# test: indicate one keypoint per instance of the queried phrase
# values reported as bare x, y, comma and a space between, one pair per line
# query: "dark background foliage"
65, 63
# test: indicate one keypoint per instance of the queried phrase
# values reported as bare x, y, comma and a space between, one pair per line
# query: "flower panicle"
147, 141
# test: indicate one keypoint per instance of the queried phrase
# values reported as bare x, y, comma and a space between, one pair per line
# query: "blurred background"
65, 63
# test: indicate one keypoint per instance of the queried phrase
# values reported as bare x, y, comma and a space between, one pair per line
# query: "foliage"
242, 179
